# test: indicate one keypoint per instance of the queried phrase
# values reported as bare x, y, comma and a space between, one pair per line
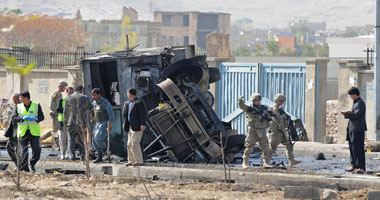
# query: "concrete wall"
40, 83
367, 92
316, 97
355, 73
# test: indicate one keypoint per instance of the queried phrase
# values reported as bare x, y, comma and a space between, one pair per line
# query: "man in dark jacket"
11, 132
135, 123
356, 131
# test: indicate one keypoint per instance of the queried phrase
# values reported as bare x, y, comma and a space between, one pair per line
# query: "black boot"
98, 159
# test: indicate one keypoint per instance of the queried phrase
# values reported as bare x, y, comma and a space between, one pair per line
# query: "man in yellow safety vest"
62, 132
28, 115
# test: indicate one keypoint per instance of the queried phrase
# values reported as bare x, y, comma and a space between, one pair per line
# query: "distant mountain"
264, 13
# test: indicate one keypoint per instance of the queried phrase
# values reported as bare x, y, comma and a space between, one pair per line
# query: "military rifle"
263, 111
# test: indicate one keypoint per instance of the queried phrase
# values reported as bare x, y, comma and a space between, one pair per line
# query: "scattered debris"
3, 166
373, 146
64, 184
332, 121
329, 194
320, 156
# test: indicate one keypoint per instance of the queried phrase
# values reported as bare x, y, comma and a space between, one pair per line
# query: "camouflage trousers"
253, 136
278, 137
55, 124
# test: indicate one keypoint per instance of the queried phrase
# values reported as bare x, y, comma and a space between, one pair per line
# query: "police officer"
54, 103
27, 115
278, 129
63, 133
257, 125
103, 116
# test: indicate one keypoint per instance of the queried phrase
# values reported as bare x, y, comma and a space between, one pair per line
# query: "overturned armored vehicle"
173, 83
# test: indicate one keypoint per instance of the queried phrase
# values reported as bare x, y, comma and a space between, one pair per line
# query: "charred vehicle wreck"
173, 83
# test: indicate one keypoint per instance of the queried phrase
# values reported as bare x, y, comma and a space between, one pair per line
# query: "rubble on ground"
373, 146
332, 120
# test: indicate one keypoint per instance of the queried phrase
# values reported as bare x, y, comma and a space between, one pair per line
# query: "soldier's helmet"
62, 83
255, 96
280, 97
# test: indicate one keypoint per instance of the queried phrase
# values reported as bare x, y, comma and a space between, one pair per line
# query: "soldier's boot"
267, 164
245, 164
294, 162
98, 159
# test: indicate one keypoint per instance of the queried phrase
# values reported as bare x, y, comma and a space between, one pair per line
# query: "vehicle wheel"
214, 74
235, 144
235, 140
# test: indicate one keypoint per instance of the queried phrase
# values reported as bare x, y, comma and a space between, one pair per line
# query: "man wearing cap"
278, 129
63, 132
28, 115
257, 125
54, 102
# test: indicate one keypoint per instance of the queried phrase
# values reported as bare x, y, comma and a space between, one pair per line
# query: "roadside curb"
198, 174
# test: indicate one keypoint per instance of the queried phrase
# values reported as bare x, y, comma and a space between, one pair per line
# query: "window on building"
171, 40
105, 28
166, 20
185, 40
185, 20
163, 41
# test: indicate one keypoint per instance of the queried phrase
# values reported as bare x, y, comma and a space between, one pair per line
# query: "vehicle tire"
214, 74
235, 143
235, 140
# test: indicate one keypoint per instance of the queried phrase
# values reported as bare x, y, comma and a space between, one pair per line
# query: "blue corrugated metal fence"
268, 79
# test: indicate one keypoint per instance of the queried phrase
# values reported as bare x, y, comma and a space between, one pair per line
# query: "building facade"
183, 28
108, 32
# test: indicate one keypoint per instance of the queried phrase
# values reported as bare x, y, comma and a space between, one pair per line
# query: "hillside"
264, 13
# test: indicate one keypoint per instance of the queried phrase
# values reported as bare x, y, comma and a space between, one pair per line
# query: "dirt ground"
59, 186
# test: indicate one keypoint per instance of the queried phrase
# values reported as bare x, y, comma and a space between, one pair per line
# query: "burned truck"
173, 83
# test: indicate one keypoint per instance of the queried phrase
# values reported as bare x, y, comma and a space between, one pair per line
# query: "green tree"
259, 49
11, 61
273, 47
287, 52
323, 50
126, 29
351, 32
241, 51
300, 30
308, 50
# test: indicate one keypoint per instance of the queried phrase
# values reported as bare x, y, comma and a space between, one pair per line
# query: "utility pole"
377, 73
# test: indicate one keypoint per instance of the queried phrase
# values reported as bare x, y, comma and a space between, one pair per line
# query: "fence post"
348, 77
316, 96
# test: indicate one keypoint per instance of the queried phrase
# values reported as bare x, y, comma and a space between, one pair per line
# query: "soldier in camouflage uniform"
76, 120
54, 102
256, 131
278, 129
